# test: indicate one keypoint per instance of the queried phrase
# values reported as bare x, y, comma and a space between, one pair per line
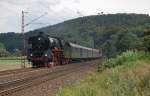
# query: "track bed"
24, 80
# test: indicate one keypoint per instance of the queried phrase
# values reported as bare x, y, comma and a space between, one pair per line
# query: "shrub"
125, 58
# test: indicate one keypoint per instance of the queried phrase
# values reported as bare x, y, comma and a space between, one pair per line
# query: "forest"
114, 33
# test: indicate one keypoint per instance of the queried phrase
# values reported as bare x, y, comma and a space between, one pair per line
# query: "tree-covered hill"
105, 30
99, 27
11, 41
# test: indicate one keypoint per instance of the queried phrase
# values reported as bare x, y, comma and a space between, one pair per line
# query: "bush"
125, 58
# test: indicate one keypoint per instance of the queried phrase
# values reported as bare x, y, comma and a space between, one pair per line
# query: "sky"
56, 11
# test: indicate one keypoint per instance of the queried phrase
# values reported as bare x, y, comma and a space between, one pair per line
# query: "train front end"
39, 51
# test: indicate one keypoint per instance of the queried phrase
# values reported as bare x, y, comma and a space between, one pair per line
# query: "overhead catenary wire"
36, 19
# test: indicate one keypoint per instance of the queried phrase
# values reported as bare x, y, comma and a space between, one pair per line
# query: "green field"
11, 63
126, 75
10, 60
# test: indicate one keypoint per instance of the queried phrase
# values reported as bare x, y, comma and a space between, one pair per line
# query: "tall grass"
116, 81
113, 82
126, 58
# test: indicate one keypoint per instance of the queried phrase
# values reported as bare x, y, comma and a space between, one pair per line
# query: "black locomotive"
45, 51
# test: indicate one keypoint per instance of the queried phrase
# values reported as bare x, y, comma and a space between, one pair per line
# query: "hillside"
100, 27
84, 30
11, 40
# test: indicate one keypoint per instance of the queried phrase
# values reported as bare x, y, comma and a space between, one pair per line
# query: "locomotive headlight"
45, 54
39, 38
31, 54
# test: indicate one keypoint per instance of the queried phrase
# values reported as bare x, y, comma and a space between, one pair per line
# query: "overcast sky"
61, 10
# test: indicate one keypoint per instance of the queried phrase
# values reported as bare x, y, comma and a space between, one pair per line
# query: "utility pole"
24, 42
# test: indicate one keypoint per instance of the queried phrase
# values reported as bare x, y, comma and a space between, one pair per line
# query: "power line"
39, 23
36, 19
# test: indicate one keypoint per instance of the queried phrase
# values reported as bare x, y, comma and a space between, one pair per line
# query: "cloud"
60, 10
10, 20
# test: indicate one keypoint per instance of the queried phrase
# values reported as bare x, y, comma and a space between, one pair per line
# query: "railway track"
10, 87
14, 71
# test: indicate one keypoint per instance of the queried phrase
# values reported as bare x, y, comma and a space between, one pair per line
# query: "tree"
109, 49
3, 51
146, 41
128, 41
2, 46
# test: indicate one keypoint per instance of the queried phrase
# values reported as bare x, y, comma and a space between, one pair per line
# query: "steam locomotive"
46, 51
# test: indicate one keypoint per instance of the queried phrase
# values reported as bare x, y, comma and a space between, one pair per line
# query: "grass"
126, 75
11, 57
9, 60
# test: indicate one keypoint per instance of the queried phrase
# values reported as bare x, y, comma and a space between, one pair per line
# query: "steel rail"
16, 85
